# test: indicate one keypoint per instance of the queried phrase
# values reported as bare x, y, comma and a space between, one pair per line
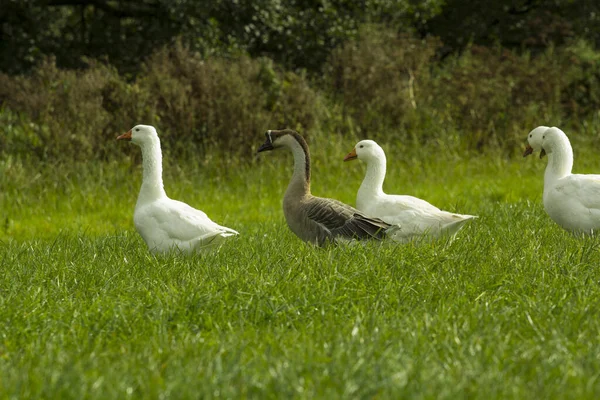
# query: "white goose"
163, 223
571, 200
415, 217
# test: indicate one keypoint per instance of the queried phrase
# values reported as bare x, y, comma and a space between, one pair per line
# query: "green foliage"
61, 110
516, 24
392, 85
298, 35
378, 79
224, 102
295, 34
582, 93
122, 32
301, 35
495, 94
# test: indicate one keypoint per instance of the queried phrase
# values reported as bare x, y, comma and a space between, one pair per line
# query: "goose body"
571, 200
413, 217
166, 224
314, 219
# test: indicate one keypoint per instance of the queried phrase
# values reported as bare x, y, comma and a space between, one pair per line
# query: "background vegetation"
216, 74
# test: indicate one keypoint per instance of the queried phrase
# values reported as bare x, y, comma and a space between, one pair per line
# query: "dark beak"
542, 153
267, 145
528, 151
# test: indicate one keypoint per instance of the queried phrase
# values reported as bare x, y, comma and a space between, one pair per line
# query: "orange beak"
351, 156
125, 136
528, 151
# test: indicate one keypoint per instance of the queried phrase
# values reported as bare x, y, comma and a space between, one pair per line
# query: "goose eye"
530, 135
361, 146
137, 129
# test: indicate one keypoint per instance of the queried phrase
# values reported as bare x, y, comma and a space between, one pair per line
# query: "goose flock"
571, 200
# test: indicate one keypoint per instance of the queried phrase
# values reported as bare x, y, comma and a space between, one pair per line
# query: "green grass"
510, 309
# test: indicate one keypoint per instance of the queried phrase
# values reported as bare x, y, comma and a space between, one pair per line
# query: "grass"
507, 310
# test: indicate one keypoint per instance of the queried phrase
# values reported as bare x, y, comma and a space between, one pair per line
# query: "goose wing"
178, 221
343, 220
581, 188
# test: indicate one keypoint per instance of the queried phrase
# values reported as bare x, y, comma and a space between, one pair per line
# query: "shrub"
214, 102
62, 109
377, 79
580, 96
493, 95
224, 102
392, 85
382, 85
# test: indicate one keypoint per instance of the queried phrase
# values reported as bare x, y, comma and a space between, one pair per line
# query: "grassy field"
510, 309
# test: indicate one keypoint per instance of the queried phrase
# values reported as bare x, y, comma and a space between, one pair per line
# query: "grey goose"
314, 219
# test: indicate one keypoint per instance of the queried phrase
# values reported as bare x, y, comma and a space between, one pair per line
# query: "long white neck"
372, 185
152, 182
300, 183
560, 161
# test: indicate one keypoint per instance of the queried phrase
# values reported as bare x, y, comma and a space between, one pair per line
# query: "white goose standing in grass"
313, 219
571, 200
163, 223
414, 217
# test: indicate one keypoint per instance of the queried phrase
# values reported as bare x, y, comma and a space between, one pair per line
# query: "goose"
166, 224
415, 218
317, 220
534, 140
571, 200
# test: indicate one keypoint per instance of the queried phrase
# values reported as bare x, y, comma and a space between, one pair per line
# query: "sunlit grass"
510, 309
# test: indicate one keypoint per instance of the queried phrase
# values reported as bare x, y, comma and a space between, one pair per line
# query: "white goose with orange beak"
166, 224
414, 217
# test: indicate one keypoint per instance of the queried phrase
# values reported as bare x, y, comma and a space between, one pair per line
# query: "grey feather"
343, 220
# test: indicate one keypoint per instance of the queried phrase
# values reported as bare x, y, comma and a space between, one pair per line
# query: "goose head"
552, 138
140, 135
366, 150
281, 138
534, 141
